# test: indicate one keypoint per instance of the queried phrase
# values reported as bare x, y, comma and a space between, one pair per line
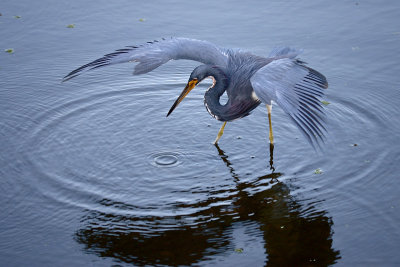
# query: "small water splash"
166, 159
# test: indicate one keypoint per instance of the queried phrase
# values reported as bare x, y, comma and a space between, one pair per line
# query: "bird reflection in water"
294, 232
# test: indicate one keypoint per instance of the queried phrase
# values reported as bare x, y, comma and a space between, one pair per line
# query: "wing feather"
153, 54
284, 52
297, 89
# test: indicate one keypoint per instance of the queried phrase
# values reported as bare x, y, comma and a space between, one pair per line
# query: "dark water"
93, 173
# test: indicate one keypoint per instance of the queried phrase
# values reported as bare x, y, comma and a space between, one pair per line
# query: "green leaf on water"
325, 103
239, 250
17, 17
142, 20
9, 50
318, 171
71, 26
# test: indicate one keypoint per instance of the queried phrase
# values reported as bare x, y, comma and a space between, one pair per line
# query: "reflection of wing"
153, 54
295, 88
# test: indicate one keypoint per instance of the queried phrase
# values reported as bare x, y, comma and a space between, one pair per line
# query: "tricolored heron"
247, 79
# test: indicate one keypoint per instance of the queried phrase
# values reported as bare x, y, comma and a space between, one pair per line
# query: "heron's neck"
214, 93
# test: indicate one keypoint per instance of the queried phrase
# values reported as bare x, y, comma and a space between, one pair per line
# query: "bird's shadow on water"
294, 232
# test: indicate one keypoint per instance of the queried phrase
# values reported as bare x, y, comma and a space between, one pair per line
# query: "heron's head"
197, 75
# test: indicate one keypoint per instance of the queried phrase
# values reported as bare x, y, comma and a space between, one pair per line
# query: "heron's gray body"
241, 97
247, 79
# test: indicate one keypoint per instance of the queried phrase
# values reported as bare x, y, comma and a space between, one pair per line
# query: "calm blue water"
93, 173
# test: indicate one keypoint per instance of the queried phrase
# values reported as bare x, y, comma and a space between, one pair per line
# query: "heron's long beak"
184, 93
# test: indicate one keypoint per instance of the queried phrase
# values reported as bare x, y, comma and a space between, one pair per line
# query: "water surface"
92, 171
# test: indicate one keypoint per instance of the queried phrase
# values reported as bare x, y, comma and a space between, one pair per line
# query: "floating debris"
325, 103
9, 50
239, 137
318, 171
142, 20
71, 26
354, 145
239, 250
17, 17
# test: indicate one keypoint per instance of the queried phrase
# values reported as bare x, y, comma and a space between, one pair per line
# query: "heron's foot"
220, 133
271, 157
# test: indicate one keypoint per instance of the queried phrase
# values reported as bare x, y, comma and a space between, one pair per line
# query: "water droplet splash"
166, 159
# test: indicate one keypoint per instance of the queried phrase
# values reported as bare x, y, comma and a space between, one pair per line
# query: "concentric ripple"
166, 159
116, 153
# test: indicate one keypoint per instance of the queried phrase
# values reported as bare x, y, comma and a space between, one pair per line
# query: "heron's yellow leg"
220, 133
271, 136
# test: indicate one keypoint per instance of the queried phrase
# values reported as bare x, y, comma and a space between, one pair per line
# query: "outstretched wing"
153, 54
296, 88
